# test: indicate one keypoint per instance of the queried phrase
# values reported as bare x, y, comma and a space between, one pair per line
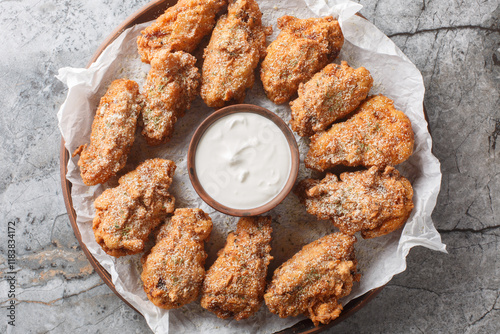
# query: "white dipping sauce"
243, 160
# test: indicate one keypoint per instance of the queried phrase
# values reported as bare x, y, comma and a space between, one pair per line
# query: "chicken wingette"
314, 279
237, 45
331, 94
302, 48
126, 214
234, 284
376, 135
113, 131
173, 272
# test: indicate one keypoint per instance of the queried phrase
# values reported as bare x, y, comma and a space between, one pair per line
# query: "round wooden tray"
150, 12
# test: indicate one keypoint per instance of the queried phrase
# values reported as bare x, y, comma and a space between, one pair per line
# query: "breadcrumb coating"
173, 272
377, 135
113, 133
314, 279
303, 47
172, 83
331, 94
234, 284
180, 28
237, 45
126, 214
374, 202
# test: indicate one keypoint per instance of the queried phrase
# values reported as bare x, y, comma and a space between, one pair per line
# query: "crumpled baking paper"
379, 259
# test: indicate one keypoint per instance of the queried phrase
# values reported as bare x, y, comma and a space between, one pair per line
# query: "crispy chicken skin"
113, 131
126, 215
180, 28
237, 45
234, 285
375, 202
303, 47
173, 272
314, 279
331, 94
172, 83
377, 135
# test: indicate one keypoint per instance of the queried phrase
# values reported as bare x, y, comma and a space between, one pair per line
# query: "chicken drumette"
113, 131
377, 135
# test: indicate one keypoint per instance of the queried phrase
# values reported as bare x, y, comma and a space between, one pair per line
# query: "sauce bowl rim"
294, 159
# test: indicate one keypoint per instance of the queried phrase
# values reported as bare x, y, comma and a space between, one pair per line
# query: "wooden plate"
145, 14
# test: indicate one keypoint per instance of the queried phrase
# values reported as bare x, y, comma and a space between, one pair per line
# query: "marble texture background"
454, 43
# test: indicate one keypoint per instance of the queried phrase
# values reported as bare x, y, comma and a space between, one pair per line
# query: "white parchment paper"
379, 259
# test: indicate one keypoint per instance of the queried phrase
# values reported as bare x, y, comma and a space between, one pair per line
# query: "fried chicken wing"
173, 271
314, 279
235, 283
112, 134
377, 135
237, 45
171, 85
126, 215
180, 28
303, 47
375, 202
331, 94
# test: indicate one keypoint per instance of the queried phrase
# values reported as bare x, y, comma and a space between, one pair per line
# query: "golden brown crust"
303, 47
113, 131
234, 284
173, 271
126, 215
237, 45
377, 135
172, 83
314, 279
331, 94
375, 202
180, 28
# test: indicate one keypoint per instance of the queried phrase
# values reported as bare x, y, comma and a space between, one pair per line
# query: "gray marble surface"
454, 43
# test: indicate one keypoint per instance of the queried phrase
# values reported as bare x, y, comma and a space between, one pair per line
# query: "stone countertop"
456, 46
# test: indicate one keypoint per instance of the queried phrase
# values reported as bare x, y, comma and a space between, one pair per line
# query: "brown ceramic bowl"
221, 113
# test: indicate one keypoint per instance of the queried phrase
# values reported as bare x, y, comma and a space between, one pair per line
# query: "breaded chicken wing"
235, 283
375, 202
172, 83
180, 28
331, 94
173, 271
113, 131
303, 47
237, 45
314, 279
377, 135
126, 215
